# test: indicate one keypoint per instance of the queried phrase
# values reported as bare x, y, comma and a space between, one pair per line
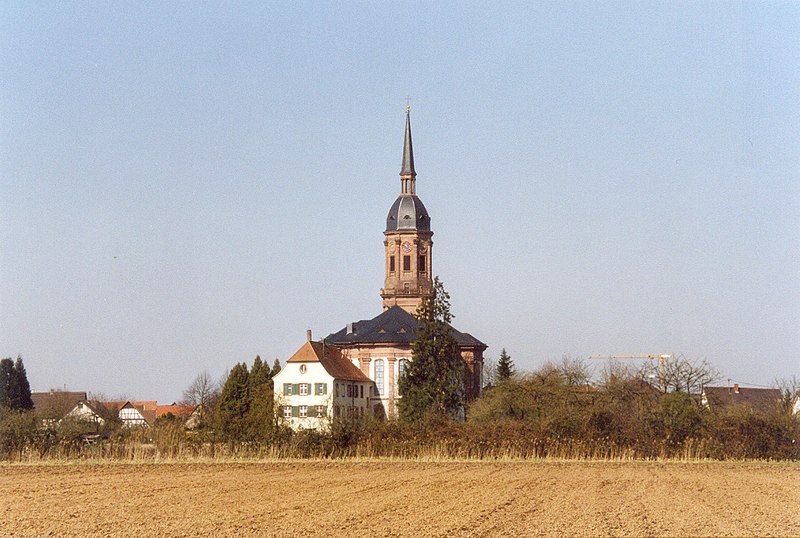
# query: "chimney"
308, 335
736, 388
351, 328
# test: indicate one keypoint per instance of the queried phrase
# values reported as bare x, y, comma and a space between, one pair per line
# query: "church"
356, 370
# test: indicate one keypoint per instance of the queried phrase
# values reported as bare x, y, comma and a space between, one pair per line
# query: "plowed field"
400, 499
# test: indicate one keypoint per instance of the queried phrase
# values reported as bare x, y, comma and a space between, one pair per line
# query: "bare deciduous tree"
489, 372
202, 391
575, 371
680, 374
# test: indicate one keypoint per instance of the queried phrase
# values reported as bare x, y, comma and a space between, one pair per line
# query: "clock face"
406, 246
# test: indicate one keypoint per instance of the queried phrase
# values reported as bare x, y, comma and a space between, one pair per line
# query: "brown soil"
401, 499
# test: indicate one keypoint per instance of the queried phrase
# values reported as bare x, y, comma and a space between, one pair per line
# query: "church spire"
407, 173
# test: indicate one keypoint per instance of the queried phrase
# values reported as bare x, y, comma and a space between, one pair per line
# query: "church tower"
407, 240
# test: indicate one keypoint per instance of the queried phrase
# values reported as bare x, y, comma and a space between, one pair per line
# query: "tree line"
553, 411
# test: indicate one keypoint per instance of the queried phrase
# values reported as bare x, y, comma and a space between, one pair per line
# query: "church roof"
331, 359
392, 326
408, 213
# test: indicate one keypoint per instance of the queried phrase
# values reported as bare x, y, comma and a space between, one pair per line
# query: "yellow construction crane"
662, 364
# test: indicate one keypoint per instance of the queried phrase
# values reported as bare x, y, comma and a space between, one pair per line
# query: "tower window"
406, 263
391, 264
421, 264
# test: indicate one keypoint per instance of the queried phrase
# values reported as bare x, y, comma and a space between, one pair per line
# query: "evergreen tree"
434, 379
233, 404
15, 391
7, 380
21, 395
505, 366
276, 367
260, 393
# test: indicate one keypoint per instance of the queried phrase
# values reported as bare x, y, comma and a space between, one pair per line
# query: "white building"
318, 383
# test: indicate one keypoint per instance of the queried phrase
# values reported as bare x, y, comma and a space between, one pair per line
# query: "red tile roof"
180, 411
331, 359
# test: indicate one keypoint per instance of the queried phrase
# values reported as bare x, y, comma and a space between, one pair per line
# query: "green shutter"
295, 410
287, 388
324, 411
312, 410
296, 388
324, 388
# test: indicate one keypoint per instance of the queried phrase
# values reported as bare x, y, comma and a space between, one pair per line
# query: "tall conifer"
7, 379
434, 379
505, 366
260, 393
233, 404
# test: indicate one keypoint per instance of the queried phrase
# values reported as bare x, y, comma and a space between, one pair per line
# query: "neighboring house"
188, 414
134, 414
762, 400
85, 411
318, 383
54, 404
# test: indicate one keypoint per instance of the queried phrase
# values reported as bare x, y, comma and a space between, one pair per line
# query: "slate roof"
392, 326
331, 359
408, 213
759, 399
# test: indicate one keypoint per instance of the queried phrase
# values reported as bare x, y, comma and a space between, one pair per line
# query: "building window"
287, 411
391, 264
303, 389
303, 368
321, 411
421, 264
379, 376
303, 411
361, 391
402, 364
321, 388
406, 263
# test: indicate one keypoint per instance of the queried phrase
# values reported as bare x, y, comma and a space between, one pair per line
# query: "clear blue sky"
186, 185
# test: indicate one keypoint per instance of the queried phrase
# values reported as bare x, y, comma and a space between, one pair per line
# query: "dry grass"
400, 498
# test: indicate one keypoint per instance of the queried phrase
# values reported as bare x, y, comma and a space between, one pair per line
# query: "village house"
760, 400
132, 414
189, 415
318, 383
88, 412
52, 405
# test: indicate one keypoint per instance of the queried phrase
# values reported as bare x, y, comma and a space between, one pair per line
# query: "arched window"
379, 376
401, 371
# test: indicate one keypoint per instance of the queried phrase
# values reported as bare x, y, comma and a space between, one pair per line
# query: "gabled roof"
147, 408
56, 401
331, 359
759, 399
392, 326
